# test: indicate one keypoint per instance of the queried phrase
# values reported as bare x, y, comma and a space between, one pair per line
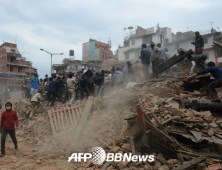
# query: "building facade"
11, 62
96, 51
75, 66
132, 43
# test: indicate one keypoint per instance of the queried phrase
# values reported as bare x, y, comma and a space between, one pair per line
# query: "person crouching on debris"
8, 120
216, 72
35, 101
198, 62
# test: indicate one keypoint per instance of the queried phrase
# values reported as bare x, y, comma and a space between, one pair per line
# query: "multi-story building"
13, 67
75, 66
11, 61
183, 40
96, 51
132, 43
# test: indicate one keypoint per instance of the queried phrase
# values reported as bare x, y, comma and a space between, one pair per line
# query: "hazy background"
60, 25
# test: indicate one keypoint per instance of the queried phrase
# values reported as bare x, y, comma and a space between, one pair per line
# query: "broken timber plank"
114, 103
189, 153
159, 132
84, 117
104, 144
190, 163
105, 166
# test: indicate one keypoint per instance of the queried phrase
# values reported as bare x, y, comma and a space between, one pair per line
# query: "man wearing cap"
9, 119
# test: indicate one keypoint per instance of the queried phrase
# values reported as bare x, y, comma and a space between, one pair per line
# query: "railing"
64, 118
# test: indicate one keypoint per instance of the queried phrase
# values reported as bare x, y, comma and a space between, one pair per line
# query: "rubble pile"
142, 120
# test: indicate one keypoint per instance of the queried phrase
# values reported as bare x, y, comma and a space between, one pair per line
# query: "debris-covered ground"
144, 119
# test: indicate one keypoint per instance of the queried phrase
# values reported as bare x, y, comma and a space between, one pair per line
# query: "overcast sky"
60, 25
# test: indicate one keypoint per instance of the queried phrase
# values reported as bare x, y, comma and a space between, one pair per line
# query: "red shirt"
8, 119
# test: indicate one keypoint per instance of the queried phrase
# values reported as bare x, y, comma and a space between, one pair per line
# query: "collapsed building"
167, 117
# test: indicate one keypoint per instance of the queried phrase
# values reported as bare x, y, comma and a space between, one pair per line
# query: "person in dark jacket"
216, 72
198, 62
45, 79
9, 119
100, 82
199, 43
83, 87
53, 90
145, 60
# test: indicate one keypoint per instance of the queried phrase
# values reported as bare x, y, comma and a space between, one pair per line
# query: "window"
126, 56
132, 42
11, 59
19, 69
104, 56
161, 39
205, 40
11, 68
219, 52
207, 54
147, 39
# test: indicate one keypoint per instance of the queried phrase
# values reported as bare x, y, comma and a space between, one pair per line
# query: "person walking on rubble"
34, 85
199, 43
8, 120
53, 90
35, 101
71, 82
145, 60
216, 72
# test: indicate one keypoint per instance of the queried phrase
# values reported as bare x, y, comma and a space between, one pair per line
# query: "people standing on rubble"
216, 72
41, 83
83, 87
35, 101
48, 81
61, 89
100, 82
138, 71
118, 79
85, 70
153, 51
71, 88
77, 89
145, 60
198, 62
199, 43
53, 90
113, 70
34, 85
167, 54
161, 54
130, 73
46, 77
9, 119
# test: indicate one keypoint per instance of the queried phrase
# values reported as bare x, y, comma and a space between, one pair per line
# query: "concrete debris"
178, 137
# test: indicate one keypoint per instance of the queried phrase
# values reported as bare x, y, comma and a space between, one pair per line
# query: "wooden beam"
191, 163
84, 117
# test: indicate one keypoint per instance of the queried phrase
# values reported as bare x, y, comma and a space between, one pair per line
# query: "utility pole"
211, 24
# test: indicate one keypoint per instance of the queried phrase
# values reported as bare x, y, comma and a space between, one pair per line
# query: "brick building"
11, 62
13, 68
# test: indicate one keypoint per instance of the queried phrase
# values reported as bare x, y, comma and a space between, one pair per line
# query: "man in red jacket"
8, 120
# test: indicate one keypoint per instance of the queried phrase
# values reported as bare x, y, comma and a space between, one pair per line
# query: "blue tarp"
6, 74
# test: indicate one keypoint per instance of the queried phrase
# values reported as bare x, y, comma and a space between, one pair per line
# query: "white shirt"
84, 71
